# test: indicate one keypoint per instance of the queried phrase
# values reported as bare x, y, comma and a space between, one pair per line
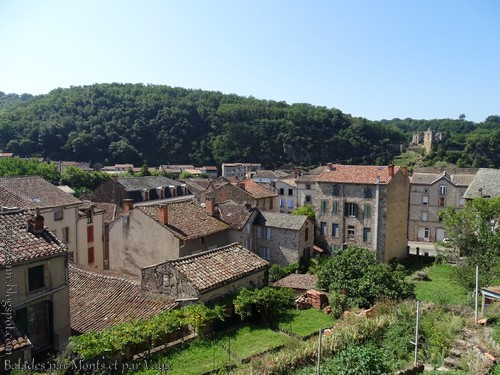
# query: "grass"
203, 355
306, 322
406, 158
442, 288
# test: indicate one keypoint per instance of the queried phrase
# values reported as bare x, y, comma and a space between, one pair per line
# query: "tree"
308, 210
474, 232
356, 273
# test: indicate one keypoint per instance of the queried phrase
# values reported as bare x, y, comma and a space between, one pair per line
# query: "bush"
359, 360
277, 272
338, 304
420, 276
267, 302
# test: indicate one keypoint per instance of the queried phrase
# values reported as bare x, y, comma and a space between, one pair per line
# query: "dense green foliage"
471, 231
277, 272
143, 332
356, 273
267, 302
134, 123
83, 181
29, 167
308, 210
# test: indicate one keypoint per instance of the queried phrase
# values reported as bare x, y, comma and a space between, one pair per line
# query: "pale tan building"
431, 191
365, 206
34, 287
90, 228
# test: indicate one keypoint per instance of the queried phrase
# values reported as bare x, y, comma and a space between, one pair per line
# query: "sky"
383, 59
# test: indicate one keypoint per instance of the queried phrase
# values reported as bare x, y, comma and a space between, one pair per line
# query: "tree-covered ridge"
135, 123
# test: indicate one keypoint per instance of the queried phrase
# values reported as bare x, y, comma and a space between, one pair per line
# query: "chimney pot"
391, 170
210, 206
329, 166
162, 214
127, 205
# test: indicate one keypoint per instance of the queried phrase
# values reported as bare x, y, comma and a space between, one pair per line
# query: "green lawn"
442, 288
406, 158
204, 355
306, 322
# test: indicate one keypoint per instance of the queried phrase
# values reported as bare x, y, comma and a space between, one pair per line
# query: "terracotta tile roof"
220, 266
17, 341
265, 173
100, 299
186, 220
297, 281
356, 174
24, 245
234, 214
257, 191
32, 192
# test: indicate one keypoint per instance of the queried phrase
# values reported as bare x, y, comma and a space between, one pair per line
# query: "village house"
146, 235
211, 171
139, 189
306, 186
284, 239
365, 206
240, 170
206, 276
90, 227
287, 195
34, 287
100, 299
264, 175
59, 209
431, 191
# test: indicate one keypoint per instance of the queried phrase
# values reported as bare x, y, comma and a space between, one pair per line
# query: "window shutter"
356, 210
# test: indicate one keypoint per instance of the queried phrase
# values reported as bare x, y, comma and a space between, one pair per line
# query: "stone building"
284, 239
431, 191
287, 195
240, 170
206, 276
427, 139
365, 206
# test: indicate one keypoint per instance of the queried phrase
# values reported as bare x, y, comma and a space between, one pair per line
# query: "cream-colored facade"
90, 249
42, 311
136, 240
62, 221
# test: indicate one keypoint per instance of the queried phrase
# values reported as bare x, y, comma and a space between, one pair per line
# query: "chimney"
114, 178
297, 172
210, 205
162, 214
329, 166
391, 170
127, 205
36, 224
241, 185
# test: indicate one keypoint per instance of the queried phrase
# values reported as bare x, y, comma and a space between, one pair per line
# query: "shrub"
277, 272
267, 302
420, 276
338, 304
359, 360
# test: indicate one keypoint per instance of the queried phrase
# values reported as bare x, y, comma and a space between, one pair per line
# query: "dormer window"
442, 189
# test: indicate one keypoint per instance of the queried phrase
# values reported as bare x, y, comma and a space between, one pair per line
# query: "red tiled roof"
100, 299
356, 174
32, 192
186, 220
297, 281
24, 245
17, 339
213, 268
257, 191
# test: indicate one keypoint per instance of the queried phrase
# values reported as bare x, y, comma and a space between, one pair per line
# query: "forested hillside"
110, 123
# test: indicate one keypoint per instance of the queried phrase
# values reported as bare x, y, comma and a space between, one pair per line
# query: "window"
351, 232
335, 230
290, 191
322, 228
426, 233
89, 217
306, 235
424, 215
308, 199
324, 204
271, 203
90, 255
282, 202
441, 201
290, 203
368, 193
36, 278
368, 211
335, 208
65, 234
461, 201
336, 190
90, 233
426, 190
425, 199
58, 213
352, 209
265, 253
308, 186
265, 233
282, 191
442, 189
146, 195
367, 234
202, 240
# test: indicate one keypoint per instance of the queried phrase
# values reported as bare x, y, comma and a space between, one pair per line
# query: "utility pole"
416, 334
476, 293
319, 350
